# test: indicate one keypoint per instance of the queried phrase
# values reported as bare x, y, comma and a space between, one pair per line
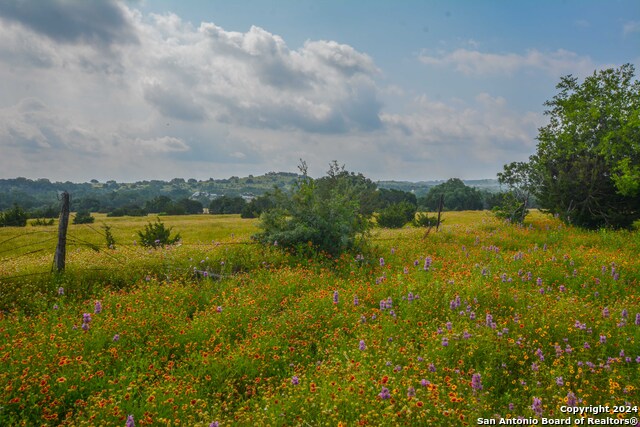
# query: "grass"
221, 330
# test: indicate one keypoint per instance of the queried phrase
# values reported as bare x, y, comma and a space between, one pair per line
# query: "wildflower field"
480, 320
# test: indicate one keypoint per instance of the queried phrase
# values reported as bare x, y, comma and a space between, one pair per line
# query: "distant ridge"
40, 193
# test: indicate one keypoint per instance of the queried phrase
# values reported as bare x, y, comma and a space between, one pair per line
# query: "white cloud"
631, 27
176, 99
476, 63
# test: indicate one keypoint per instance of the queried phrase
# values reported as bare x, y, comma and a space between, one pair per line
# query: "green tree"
14, 217
324, 217
457, 197
587, 162
521, 180
356, 186
157, 235
227, 205
83, 217
396, 215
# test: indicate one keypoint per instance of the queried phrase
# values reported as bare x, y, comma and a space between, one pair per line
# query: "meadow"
480, 320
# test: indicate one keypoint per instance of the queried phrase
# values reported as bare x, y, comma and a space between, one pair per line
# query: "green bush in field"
326, 218
42, 222
396, 215
83, 217
14, 217
424, 220
157, 235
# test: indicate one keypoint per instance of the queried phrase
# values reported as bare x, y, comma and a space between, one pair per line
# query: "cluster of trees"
586, 168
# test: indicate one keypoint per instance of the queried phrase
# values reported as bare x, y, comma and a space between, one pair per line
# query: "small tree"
325, 218
396, 215
14, 217
111, 241
83, 217
521, 180
157, 235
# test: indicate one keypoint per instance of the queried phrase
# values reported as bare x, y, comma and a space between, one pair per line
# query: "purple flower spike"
476, 382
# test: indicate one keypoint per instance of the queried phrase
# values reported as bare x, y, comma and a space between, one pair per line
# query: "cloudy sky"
406, 90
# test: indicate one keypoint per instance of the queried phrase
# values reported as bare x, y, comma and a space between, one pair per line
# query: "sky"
396, 90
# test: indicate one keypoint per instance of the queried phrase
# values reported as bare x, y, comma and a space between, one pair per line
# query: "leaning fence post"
59, 257
440, 206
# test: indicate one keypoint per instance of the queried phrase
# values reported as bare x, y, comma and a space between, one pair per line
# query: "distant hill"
421, 188
42, 194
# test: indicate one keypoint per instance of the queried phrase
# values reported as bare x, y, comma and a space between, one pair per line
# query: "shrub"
323, 219
83, 217
14, 217
111, 241
42, 222
424, 220
156, 234
511, 209
396, 215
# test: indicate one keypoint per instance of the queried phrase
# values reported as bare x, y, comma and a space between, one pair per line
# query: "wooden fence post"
62, 233
440, 206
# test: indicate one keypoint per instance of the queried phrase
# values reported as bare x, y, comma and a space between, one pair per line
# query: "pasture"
480, 320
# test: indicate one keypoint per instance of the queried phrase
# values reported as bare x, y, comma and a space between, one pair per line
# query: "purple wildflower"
424, 382
60, 290
571, 399
385, 394
603, 339
335, 297
214, 424
537, 406
476, 382
559, 381
489, 319
97, 307
381, 262
411, 392
605, 312
427, 263
130, 422
116, 338
445, 341
355, 300
362, 346
295, 380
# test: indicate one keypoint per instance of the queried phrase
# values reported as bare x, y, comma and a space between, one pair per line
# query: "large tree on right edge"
587, 165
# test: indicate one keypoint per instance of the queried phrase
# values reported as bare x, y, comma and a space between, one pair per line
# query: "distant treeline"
249, 196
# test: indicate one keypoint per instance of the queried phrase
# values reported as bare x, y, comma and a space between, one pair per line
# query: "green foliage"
457, 197
14, 217
42, 222
511, 208
352, 185
130, 210
108, 235
587, 162
256, 206
325, 217
157, 235
396, 215
83, 217
423, 219
227, 205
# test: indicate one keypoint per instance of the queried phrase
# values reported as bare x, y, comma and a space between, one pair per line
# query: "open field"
479, 320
